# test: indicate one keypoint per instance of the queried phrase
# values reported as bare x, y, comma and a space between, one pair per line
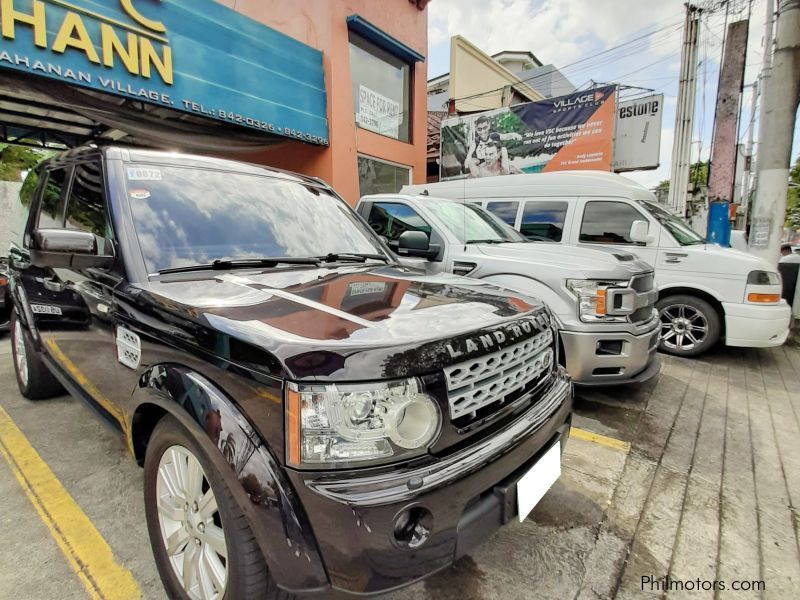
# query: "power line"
577, 62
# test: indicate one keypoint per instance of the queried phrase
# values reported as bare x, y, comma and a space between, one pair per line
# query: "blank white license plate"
535, 483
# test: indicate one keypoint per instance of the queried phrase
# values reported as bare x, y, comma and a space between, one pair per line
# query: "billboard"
564, 133
195, 56
637, 142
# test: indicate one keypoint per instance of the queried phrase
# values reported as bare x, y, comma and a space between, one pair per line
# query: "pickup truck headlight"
591, 296
763, 287
348, 425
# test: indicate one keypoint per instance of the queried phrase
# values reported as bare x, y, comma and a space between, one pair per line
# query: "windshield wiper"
351, 257
492, 241
219, 265
270, 262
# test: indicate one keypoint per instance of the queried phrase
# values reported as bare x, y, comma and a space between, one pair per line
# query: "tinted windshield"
470, 223
187, 216
680, 230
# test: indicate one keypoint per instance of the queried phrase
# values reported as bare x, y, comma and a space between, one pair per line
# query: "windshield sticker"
366, 287
144, 174
139, 194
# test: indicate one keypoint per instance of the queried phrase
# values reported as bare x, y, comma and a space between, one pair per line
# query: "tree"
793, 197
698, 173
16, 159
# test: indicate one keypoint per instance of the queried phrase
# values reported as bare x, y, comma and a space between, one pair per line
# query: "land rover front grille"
475, 384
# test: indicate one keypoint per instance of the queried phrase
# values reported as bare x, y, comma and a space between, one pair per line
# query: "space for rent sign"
573, 132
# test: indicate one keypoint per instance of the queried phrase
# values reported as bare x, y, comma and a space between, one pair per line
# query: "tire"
245, 572
690, 326
34, 379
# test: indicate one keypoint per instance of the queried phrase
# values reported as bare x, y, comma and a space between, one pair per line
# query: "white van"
706, 292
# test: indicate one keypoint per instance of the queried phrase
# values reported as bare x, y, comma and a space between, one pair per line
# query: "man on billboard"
493, 162
479, 143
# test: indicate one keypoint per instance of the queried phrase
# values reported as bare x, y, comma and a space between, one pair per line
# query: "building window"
379, 177
381, 89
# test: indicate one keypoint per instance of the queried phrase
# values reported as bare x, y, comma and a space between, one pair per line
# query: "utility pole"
749, 163
684, 114
726, 115
781, 93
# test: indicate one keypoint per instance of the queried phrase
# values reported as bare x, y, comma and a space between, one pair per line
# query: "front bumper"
754, 326
611, 358
466, 495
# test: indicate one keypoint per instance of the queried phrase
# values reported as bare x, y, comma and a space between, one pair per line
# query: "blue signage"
195, 56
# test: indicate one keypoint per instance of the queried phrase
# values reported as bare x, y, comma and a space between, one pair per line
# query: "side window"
51, 213
391, 220
507, 211
543, 221
608, 222
86, 205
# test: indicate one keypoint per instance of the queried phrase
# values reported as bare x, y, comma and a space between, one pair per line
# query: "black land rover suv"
312, 417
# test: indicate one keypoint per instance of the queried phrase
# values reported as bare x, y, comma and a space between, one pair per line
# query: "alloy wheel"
191, 526
683, 327
21, 353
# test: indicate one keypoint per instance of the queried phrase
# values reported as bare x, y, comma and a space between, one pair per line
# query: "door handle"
673, 258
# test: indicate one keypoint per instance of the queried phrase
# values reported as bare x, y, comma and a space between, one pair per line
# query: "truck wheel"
202, 543
34, 379
689, 325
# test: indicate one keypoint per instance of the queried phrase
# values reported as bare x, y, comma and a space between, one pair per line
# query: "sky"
562, 33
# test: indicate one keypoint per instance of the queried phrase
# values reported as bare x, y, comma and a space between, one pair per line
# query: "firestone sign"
191, 55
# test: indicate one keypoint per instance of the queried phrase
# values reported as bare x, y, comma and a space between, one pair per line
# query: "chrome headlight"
591, 294
348, 425
763, 287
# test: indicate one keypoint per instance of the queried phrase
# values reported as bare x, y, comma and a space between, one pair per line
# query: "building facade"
335, 90
371, 150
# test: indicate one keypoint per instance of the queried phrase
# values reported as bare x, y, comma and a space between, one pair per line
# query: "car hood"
579, 262
348, 322
728, 261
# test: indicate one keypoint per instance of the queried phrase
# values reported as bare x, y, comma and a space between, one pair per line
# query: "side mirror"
640, 232
416, 243
68, 248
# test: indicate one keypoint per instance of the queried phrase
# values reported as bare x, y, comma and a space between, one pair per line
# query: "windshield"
188, 216
680, 230
470, 223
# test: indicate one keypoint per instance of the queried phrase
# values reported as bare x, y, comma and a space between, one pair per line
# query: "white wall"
12, 215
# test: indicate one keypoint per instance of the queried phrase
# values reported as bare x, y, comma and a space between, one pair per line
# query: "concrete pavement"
708, 491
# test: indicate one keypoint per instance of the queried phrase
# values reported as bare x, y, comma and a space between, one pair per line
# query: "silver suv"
603, 299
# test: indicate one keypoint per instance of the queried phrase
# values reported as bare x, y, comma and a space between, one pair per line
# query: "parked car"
603, 300
312, 417
706, 292
5, 298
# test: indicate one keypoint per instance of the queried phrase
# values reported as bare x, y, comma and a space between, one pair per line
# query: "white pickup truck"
706, 293
604, 300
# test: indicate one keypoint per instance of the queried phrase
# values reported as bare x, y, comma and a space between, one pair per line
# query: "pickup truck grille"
478, 383
643, 284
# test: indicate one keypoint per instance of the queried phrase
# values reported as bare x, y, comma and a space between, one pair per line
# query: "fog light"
412, 527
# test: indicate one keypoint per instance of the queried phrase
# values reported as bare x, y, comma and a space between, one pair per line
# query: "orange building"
330, 88
373, 52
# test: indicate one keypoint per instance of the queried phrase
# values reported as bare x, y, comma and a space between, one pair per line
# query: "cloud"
563, 32
557, 32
